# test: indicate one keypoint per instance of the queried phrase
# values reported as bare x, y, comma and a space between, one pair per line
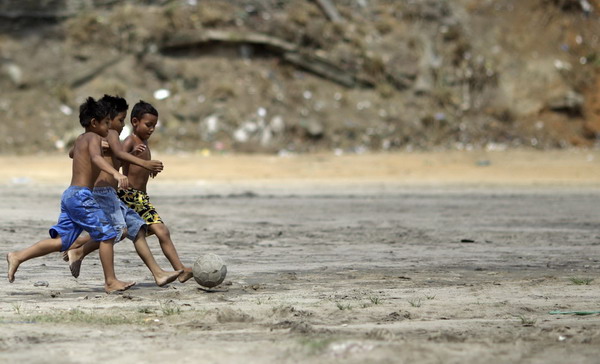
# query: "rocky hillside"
296, 76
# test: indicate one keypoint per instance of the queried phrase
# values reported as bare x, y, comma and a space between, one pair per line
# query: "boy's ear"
93, 122
134, 121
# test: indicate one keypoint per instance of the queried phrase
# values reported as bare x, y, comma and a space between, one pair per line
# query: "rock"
314, 128
14, 73
571, 103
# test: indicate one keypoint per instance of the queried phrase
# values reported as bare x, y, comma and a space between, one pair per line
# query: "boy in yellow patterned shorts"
144, 118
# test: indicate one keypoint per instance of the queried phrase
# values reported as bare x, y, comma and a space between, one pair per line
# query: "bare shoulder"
82, 144
112, 135
89, 137
82, 139
128, 143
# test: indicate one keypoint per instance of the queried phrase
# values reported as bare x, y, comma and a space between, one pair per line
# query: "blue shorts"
79, 211
121, 216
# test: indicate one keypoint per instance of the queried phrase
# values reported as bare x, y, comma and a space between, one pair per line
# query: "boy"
125, 221
79, 210
144, 118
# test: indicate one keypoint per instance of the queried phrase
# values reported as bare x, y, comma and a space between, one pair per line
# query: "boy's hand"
122, 180
104, 145
154, 166
139, 149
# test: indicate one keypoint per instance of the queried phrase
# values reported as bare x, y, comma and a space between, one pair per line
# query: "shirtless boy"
78, 209
144, 118
125, 221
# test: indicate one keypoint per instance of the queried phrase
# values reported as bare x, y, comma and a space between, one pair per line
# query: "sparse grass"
170, 308
430, 297
17, 307
342, 307
315, 346
375, 300
78, 316
145, 310
581, 281
526, 321
415, 303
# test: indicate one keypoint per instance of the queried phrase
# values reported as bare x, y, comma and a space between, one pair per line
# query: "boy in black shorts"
144, 118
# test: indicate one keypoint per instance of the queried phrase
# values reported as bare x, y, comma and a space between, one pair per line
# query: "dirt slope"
282, 76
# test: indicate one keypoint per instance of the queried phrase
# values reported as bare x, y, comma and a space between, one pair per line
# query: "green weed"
415, 303
17, 307
78, 316
315, 346
525, 321
375, 300
581, 281
170, 308
342, 307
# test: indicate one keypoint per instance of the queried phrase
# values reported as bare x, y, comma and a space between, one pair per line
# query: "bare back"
105, 179
84, 171
138, 176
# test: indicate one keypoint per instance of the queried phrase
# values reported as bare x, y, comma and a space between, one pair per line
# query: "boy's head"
144, 118
117, 111
93, 116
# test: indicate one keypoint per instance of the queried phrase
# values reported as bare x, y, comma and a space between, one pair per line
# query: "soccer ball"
209, 270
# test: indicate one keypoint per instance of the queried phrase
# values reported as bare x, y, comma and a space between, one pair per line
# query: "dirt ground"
426, 257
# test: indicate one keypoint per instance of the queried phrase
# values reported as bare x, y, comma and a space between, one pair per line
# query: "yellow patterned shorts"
140, 202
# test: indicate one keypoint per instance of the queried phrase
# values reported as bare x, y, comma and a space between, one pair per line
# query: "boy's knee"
160, 229
140, 234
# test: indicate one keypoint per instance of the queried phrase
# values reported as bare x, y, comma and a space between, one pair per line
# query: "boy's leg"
166, 244
75, 256
160, 276
111, 283
42, 247
140, 202
81, 241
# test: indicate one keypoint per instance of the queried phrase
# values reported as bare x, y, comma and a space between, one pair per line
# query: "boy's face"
118, 122
145, 126
101, 127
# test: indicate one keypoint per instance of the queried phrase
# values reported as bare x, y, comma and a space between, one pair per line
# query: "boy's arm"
138, 149
117, 149
127, 145
97, 158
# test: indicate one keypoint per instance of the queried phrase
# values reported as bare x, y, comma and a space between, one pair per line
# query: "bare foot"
185, 275
118, 286
75, 258
75, 267
166, 277
13, 264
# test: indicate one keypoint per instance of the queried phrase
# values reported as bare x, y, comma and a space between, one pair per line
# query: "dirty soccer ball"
209, 270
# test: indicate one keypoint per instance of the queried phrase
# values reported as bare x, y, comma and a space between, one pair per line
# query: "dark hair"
116, 104
92, 109
142, 108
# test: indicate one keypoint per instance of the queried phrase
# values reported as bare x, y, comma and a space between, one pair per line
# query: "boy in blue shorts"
79, 210
126, 222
